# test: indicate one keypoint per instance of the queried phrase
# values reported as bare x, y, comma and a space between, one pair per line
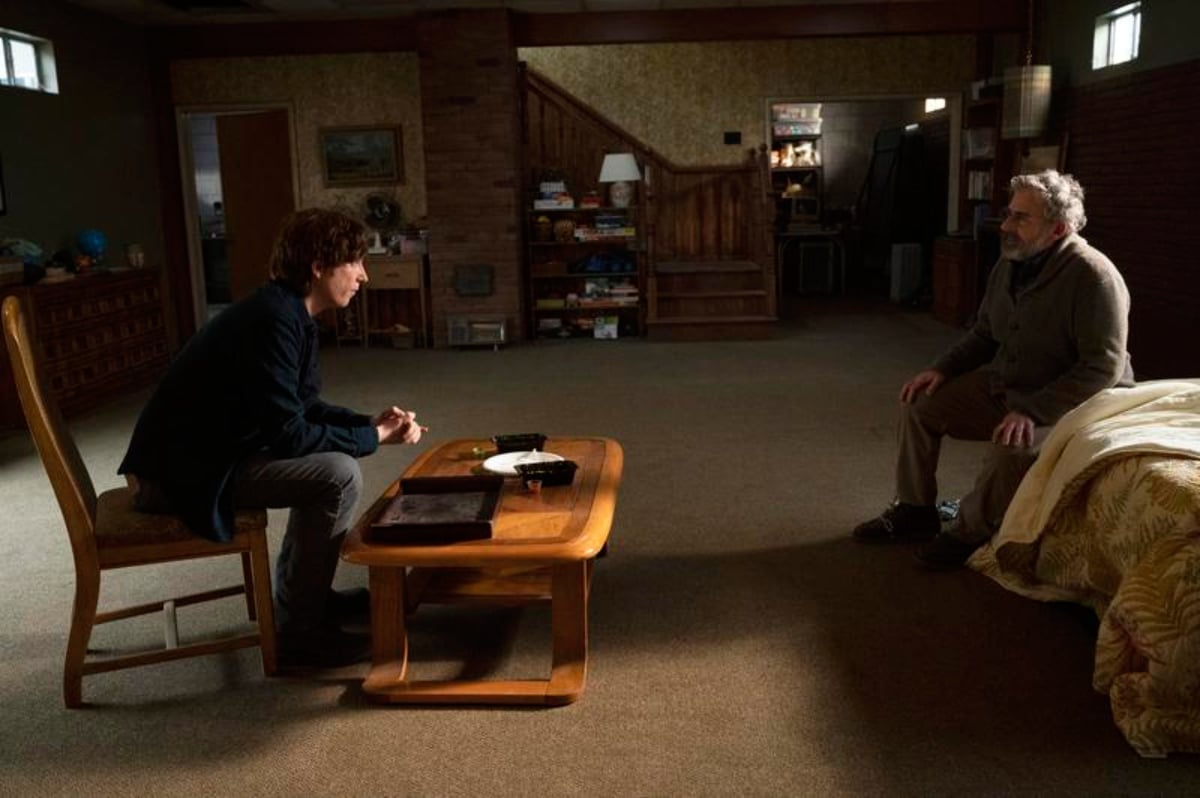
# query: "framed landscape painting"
361, 156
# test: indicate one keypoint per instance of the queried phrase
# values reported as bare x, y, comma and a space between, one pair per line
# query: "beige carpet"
741, 644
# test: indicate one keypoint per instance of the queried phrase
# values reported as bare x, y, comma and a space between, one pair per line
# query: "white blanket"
1161, 416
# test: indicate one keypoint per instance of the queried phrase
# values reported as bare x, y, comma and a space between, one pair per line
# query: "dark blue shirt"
246, 382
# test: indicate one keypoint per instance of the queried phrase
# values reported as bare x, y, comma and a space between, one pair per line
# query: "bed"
1109, 516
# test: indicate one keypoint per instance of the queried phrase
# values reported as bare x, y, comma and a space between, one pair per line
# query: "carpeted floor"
740, 642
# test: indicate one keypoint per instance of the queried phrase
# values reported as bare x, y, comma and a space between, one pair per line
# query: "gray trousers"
321, 490
967, 408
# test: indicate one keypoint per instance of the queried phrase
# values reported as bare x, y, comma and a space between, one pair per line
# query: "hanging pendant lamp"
1026, 95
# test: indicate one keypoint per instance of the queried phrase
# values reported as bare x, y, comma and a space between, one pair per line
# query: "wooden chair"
106, 532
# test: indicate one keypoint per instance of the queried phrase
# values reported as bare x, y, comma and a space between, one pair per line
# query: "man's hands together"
397, 426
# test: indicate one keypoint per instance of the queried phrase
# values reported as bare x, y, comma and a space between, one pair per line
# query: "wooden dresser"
956, 289
101, 336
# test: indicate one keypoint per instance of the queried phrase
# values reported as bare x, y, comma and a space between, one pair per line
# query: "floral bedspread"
1109, 516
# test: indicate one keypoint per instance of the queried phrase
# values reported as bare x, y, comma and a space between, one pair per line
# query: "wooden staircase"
708, 300
709, 262
712, 274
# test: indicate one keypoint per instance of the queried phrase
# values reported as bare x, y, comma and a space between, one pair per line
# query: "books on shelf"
554, 202
979, 185
604, 234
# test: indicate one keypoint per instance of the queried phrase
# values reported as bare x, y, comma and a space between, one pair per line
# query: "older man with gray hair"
1051, 331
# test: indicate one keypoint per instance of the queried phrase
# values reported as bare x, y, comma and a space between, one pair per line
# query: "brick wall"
470, 114
1133, 144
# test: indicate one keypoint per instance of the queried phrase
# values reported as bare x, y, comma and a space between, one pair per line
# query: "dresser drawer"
394, 273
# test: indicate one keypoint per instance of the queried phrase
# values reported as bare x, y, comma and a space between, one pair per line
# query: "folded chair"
106, 533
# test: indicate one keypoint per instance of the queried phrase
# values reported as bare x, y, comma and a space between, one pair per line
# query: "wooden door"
256, 189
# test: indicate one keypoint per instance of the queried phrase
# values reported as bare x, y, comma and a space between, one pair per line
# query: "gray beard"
1018, 251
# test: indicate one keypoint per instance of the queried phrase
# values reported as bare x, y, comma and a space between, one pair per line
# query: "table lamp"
621, 170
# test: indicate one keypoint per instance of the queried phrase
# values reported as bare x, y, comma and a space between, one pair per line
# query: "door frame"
187, 176
954, 110
954, 106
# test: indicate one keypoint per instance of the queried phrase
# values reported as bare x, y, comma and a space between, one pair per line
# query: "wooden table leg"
568, 613
389, 638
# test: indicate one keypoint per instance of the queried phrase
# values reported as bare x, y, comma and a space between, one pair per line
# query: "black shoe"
326, 647
900, 523
346, 605
945, 553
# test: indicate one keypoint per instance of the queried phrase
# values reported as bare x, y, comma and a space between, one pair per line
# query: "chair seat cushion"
118, 524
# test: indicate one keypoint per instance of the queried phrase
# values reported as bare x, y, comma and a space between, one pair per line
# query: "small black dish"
555, 472
521, 442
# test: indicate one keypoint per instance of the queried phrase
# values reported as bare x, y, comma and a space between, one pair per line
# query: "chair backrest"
68, 475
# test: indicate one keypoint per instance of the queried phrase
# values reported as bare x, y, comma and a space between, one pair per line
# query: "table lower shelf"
395, 594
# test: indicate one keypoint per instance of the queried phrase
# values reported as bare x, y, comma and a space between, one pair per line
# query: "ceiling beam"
771, 22
547, 30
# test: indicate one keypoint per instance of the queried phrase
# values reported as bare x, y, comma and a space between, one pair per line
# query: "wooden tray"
439, 510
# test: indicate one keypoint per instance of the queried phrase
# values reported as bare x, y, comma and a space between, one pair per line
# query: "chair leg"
248, 580
83, 618
265, 609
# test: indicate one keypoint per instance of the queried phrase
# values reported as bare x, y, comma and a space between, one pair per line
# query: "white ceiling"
161, 12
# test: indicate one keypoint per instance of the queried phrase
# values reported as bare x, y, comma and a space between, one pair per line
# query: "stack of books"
553, 196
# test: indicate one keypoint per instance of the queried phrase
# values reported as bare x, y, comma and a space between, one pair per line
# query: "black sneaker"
945, 553
326, 647
900, 523
348, 605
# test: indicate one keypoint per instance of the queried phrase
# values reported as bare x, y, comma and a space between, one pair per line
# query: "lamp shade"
619, 166
1026, 101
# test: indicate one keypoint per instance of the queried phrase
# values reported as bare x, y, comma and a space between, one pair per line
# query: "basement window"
27, 62
934, 104
1117, 35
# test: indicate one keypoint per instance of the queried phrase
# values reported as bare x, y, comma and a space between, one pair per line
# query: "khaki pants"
968, 408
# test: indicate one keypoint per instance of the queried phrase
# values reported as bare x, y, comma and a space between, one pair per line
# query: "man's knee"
343, 475
1010, 459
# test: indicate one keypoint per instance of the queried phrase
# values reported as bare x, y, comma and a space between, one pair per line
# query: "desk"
542, 549
394, 280
805, 242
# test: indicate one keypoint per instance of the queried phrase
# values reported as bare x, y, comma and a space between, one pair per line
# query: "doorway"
239, 183
886, 177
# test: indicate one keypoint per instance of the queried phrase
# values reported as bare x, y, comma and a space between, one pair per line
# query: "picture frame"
1047, 156
364, 155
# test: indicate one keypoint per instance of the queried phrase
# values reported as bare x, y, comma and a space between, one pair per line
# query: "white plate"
505, 463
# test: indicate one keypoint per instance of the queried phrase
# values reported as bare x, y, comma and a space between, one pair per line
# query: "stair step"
700, 266
714, 320
728, 328
709, 294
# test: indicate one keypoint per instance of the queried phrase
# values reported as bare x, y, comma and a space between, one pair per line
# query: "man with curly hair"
1051, 331
237, 421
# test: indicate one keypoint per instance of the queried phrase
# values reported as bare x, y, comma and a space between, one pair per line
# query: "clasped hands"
1015, 429
397, 426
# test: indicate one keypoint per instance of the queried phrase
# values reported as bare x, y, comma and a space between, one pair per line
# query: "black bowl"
555, 472
520, 442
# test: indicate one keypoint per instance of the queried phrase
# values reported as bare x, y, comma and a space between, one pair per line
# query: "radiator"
904, 265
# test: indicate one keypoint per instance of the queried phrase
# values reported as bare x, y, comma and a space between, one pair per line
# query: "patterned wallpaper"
326, 90
678, 98
681, 98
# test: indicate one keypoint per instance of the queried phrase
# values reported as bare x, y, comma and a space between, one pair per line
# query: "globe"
92, 242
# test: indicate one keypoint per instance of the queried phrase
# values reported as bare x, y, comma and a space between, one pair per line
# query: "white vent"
905, 268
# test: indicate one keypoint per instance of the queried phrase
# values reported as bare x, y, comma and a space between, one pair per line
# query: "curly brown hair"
315, 235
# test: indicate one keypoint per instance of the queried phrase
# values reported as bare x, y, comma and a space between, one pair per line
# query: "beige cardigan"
1062, 339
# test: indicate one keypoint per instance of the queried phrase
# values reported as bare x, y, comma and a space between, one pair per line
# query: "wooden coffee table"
541, 549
